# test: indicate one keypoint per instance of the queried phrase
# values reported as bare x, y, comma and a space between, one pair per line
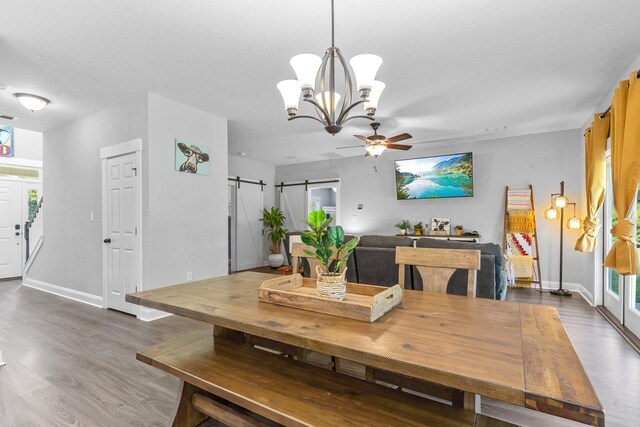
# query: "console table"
516, 353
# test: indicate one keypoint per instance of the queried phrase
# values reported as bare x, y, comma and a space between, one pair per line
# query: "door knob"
17, 233
107, 240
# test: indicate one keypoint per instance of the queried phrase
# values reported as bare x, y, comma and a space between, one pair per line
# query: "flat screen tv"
435, 177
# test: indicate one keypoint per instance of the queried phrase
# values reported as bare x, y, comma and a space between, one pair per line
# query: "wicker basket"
331, 285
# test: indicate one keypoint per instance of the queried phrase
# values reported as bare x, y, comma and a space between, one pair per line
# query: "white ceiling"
452, 67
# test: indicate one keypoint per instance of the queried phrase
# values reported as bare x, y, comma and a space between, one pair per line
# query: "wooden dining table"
513, 352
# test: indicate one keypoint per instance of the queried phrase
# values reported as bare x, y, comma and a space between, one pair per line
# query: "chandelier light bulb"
551, 213
365, 67
560, 202
290, 91
371, 105
327, 97
32, 102
306, 66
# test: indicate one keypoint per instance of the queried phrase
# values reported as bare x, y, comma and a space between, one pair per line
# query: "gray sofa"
374, 260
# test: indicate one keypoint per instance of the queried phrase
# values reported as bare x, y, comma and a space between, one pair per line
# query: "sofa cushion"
372, 241
377, 266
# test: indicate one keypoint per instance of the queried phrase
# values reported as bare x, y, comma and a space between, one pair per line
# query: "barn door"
249, 233
293, 203
10, 230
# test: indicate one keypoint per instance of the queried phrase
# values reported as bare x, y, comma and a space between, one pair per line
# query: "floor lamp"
558, 203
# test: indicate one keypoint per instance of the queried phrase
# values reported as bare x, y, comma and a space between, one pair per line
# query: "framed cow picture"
192, 158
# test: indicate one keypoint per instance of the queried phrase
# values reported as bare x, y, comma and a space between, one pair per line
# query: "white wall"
542, 160
27, 144
71, 254
183, 214
186, 223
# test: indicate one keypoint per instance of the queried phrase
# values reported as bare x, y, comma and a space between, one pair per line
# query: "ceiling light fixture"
318, 76
375, 150
32, 102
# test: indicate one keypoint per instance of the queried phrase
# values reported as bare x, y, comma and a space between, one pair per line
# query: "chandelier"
317, 76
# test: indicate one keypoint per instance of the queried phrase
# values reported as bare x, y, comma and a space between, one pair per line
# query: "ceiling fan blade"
398, 147
350, 146
364, 138
397, 138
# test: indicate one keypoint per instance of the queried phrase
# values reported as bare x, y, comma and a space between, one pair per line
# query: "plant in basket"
331, 250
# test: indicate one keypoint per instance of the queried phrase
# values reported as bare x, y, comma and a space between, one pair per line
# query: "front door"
10, 230
122, 239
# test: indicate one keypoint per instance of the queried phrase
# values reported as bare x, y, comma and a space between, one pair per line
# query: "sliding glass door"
621, 294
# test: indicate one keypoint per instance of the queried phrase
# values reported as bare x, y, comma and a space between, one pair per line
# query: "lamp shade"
32, 102
327, 97
551, 213
374, 96
306, 67
375, 150
290, 91
574, 223
365, 68
560, 202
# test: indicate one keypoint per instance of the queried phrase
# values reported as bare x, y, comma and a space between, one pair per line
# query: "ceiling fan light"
375, 149
327, 97
371, 105
32, 102
306, 66
365, 68
290, 91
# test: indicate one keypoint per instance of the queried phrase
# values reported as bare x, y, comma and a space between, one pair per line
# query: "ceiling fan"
376, 144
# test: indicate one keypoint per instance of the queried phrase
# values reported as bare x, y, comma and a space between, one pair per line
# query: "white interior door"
122, 240
10, 230
293, 203
249, 233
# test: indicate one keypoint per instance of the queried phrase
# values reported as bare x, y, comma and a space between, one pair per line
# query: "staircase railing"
33, 230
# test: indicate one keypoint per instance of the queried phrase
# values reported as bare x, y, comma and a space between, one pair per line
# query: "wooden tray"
362, 302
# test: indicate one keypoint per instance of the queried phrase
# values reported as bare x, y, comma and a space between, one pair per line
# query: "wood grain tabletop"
517, 353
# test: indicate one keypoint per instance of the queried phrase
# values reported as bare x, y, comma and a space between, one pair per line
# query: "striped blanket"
519, 199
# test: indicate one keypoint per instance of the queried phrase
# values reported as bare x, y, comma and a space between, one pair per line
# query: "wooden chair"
436, 266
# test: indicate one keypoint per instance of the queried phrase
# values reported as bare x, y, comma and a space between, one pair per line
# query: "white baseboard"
72, 294
32, 256
573, 287
150, 314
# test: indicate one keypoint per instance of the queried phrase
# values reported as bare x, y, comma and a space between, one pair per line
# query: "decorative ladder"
515, 199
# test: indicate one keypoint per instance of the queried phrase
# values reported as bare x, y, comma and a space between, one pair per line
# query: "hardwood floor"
72, 364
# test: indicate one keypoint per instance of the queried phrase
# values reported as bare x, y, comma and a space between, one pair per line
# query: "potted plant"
418, 228
273, 219
404, 226
331, 250
458, 229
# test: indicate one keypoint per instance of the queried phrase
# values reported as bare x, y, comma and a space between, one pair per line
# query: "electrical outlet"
189, 275
91, 218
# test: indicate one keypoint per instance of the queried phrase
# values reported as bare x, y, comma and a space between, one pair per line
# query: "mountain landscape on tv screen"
435, 177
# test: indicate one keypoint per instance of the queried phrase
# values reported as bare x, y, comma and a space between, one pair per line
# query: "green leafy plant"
418, 226
273, 219
326, 241
404, 225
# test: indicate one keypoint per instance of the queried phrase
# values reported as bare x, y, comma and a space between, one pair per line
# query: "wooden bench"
218, 375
